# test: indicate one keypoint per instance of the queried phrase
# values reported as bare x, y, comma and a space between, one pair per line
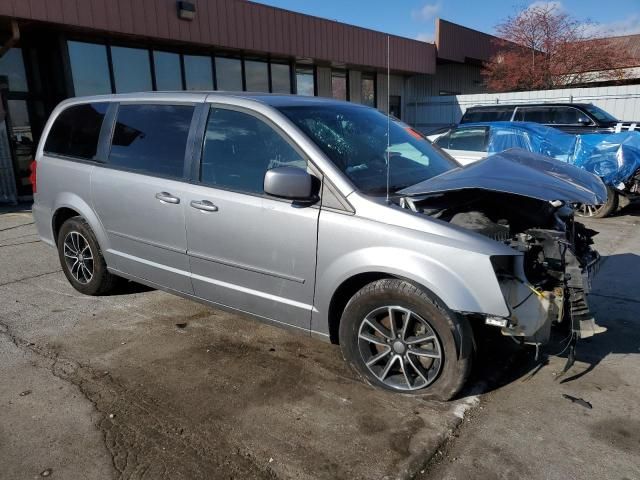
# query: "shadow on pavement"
19, 208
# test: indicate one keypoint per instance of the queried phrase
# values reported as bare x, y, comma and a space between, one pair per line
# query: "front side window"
354, 138
76, 131
600, 114
239, 149
568, 116
131, 69
89, 68
151, 139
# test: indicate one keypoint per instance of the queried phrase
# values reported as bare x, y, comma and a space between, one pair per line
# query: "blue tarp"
614, 157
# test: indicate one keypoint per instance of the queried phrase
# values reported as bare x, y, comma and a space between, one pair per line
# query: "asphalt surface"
143, 384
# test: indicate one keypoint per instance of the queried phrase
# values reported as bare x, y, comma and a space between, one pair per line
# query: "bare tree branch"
542, 47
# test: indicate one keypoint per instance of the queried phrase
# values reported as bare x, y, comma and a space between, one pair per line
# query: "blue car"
614, 157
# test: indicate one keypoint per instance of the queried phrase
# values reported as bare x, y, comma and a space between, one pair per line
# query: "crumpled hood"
519, 172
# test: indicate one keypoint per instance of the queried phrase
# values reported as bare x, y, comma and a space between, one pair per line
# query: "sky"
415, 18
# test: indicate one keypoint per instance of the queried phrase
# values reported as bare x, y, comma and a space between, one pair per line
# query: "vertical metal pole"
388, 117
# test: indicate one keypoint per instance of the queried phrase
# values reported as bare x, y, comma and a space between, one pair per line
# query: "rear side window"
487, 115
534, 114
151, 139
469, 139
76, 130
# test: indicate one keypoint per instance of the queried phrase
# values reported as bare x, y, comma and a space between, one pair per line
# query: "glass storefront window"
89, 68
280, 78
368, 89
256, 76
339, 84
197, 72
167, 69
22, 140
305, 81
12, 66
131, 69
229, 74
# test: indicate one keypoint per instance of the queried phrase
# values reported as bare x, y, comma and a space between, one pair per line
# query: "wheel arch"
69, 205
343, 294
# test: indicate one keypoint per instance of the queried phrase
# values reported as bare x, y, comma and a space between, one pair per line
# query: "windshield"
355, 140
600, 114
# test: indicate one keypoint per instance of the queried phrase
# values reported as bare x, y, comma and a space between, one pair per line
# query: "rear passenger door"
248, 251
139, 195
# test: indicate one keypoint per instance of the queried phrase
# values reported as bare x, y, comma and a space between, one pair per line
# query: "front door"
140, 194
248, 251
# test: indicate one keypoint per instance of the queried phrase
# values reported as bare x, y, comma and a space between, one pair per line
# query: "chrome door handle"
204, 205
166, 197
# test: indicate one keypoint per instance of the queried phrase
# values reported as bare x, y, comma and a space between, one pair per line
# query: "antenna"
388, 118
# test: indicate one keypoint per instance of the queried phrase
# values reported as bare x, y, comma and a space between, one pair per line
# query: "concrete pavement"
527, 429
154, 386
143, 384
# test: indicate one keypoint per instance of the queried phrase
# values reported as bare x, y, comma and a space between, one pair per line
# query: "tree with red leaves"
542, 47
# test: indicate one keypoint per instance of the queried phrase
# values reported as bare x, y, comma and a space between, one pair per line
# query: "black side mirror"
584, 121
291, 183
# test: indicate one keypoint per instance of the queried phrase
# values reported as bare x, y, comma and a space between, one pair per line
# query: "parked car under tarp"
614, 157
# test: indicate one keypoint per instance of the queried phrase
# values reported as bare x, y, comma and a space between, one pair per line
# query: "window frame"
199, 143
112, 116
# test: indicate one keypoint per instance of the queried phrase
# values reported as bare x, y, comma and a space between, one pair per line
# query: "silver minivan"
320, 215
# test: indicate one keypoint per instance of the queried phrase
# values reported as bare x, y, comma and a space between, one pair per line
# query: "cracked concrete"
222, 397
527, 429
119, 390
36, 404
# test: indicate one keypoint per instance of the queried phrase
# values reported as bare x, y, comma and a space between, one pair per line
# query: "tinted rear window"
151, 139
487, 115
76, 131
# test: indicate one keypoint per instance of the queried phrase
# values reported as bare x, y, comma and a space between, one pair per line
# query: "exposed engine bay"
549, 282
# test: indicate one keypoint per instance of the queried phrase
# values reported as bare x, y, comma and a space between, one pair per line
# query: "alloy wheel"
588, 210
400, 348
78, 257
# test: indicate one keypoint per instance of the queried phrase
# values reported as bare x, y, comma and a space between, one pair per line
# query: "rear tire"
601, 211
430, 348
81, 258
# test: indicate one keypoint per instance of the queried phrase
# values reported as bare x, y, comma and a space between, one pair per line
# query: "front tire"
81, 258
601, 211
399, 337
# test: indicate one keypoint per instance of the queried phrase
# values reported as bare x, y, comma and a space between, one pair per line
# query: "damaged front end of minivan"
524, 201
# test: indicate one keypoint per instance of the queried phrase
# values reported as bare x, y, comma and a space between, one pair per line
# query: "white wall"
622, 102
